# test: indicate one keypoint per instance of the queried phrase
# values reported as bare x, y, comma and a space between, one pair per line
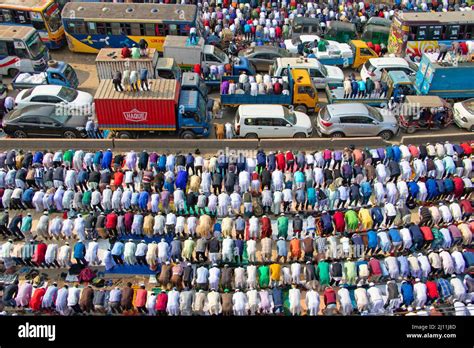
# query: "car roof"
260, 111
46, 90
306, 38
348, 109
35, 110
388, 61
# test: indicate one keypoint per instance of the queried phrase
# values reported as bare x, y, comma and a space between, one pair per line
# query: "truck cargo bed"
109, 60
142, 110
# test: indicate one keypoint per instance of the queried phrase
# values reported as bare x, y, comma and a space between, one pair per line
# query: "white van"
320, 74
374, 66
271, 121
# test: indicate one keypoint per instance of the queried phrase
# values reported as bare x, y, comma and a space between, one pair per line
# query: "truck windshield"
219, 54
289, 116
70, 73
35, 46
67, 94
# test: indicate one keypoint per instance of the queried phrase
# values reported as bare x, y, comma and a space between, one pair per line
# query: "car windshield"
35, 45
368, 65
27, 93
289, 116
469, 105
67, 94
375, 113
219, 54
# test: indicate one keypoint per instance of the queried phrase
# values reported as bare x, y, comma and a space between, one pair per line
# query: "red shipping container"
143, 110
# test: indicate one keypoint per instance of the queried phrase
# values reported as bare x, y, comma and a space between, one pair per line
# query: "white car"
464, 114
292, 44
64, 97
374, 66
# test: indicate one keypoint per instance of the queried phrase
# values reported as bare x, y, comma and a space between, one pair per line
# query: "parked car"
356, 119
373, 67
464, 114
43, 121
55, 95
271, 121
262, 57
292, 44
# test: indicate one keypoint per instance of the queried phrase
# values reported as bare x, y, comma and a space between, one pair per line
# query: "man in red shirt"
466, 208
375, 270
280, 159
467, 149
161, 303
39, 255
111, 223
118, 178
329, 300
125, 52
458, 186
339, 221
266, 227
427, 235
37, 298
290, 161
432, 290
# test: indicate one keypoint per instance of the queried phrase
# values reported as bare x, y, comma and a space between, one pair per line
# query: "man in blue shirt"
107, 159
27, 197
444, 289
190, 162
396, 238
80, 253
372, 241
277, 295
377, 216
407, 293
143, 200
117, 251
417, 236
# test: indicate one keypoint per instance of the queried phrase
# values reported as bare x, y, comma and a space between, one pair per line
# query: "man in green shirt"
350, 272
67, 158
86, 198
322, 271
352, 221
282, 223
263, 276
135, 52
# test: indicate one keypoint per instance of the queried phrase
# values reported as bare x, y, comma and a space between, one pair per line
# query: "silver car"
356, 119
262, 57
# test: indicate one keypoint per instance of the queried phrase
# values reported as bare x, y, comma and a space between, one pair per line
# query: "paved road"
84, 64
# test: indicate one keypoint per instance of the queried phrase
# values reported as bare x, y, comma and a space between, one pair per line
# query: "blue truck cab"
193, 119
57, 73
62, 74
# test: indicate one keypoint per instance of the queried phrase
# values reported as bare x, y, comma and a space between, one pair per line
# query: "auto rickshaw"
305, 26
341, 31
375, 34
424, 112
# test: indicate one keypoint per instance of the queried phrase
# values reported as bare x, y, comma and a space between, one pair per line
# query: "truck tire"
386, 135
251, 136
124, 135
187, 135
12, 72
301, 108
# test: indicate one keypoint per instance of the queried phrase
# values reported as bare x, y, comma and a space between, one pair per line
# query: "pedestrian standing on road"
219, 127
229, 130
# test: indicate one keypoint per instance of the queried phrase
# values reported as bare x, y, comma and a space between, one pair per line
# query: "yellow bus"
43, 15
414, 33
92, 26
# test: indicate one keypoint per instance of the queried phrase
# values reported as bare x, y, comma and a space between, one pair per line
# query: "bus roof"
129, 11
162, 89
24, 4
437, 17
15, 31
